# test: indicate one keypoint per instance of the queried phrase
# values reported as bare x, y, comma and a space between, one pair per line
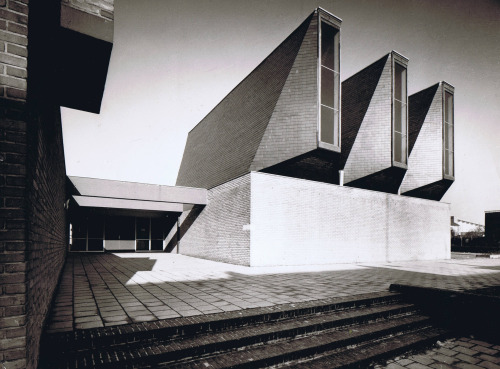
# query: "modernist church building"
295, 167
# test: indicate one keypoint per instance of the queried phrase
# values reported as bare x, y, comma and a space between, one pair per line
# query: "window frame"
447, 88
84, 219
402, 61
335, 22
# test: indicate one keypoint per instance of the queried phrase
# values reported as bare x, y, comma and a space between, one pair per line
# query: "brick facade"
424, 177
263, 219
100, 8
33, 232
292, 129
371, 151
220, 231
297, 222
425, 163
13, 236
269, 122
46, 223
33, 228
13, 49
222, 146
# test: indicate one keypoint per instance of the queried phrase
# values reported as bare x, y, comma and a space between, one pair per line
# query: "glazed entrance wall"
97, 232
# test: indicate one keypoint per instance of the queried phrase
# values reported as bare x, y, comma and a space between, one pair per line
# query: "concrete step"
249, 338
188, 326
301, 348
362, 356
210, 343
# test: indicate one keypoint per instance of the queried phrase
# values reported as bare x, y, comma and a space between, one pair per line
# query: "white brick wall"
219, 231
371, 151
262, 219
296, 222
425, 164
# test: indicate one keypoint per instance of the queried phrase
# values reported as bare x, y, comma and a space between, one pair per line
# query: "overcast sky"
174, 60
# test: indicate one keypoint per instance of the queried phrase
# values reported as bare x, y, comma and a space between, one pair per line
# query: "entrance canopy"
103, 193
126, 216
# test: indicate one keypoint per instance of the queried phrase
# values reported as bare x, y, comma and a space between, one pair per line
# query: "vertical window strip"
448, 134
330, 84
400, 119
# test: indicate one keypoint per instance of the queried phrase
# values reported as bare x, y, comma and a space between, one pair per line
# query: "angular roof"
270, 117
357, 93
418, 106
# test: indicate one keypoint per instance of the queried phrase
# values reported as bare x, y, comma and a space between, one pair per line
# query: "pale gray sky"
174, 60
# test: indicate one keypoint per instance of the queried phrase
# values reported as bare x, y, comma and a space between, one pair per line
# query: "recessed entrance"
96, 232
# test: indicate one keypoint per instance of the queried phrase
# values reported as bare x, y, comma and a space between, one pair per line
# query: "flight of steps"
334, 333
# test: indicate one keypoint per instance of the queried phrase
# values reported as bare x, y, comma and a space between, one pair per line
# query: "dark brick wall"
13, 129
33, 227
32, 178
13, 51
33, 232
46, 222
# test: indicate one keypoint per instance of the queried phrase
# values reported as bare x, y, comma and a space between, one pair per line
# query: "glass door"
157, 234
143, 234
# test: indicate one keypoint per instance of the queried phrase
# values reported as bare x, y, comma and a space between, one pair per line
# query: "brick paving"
456, 353
101, 290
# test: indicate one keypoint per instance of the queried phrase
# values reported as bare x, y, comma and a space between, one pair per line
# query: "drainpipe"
341, 177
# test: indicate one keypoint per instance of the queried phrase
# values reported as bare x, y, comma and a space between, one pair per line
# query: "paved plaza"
101, 290
456, 353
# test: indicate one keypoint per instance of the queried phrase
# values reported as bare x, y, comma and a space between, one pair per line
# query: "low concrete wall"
297, 222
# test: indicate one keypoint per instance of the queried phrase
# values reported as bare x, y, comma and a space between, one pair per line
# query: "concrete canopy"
102, 193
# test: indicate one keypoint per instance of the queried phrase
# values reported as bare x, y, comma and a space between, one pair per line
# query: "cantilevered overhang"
105, 202
107, 194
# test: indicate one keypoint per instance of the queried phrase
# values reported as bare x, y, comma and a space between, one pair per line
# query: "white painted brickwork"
292, 129
371, 151
425, 164
263, 220
297, 222
219, 231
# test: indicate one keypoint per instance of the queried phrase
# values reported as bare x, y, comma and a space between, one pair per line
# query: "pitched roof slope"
222, 146
418, 106
293, 127
357, 93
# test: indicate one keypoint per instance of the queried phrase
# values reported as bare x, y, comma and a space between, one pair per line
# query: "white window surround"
329, 137
399, 111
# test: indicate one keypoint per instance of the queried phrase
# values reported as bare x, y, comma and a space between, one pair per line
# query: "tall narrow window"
330, 84
400, 121
448, 134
